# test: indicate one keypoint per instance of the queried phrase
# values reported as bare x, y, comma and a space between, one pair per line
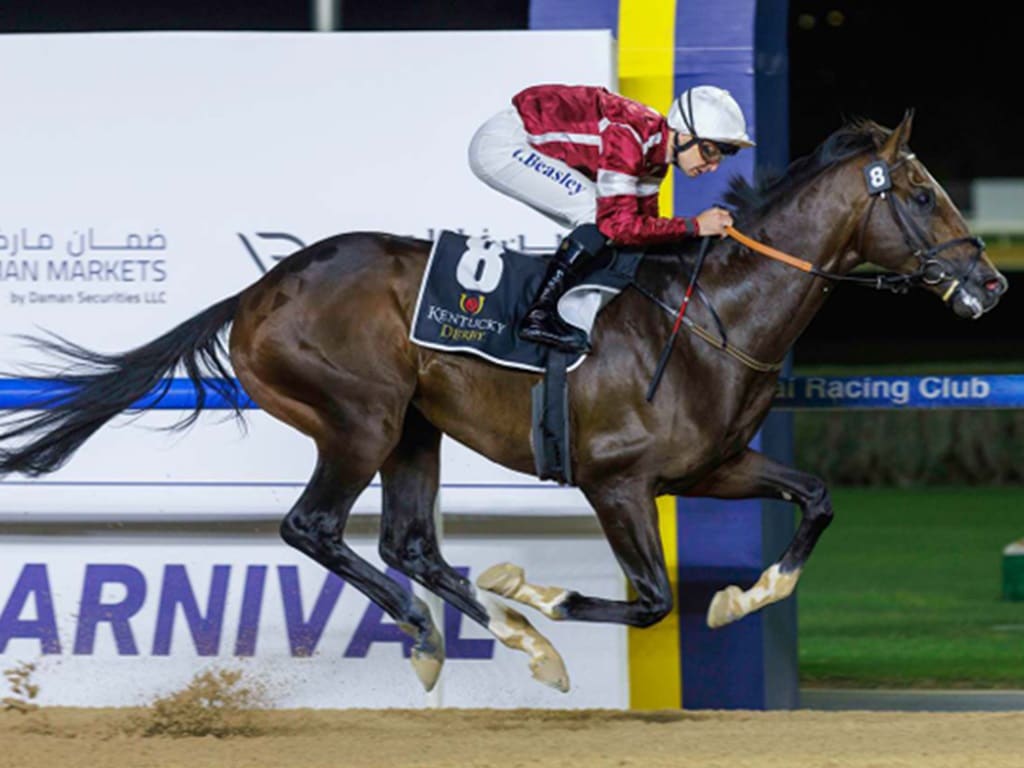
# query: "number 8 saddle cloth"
474, 292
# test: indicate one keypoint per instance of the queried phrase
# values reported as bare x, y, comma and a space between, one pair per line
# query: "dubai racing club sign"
880, 392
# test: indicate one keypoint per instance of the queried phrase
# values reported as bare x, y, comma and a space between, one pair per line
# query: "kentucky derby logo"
455, 307
471, 304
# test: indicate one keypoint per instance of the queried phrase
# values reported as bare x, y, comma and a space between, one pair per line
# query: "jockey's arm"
627, 203
621, 219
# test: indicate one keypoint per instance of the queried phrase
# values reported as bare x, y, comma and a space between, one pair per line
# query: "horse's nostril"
995, 285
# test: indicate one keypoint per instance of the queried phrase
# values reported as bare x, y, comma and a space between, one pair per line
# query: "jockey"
581, 154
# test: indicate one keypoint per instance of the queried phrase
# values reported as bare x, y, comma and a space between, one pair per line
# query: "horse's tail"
94, 388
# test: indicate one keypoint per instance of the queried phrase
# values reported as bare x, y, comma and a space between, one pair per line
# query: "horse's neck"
765, 305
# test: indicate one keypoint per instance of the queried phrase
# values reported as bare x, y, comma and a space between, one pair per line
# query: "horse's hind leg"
754, 475
355, 425
315, 525
409, 543
321, 344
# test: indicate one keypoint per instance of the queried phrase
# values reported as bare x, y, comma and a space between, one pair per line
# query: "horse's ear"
899, 138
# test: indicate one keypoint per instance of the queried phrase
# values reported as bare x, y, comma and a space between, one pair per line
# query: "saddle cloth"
474, 292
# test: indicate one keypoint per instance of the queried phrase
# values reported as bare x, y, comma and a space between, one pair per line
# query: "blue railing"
18, 393
803, 393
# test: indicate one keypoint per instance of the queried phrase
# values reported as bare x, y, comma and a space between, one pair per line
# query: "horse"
322, 342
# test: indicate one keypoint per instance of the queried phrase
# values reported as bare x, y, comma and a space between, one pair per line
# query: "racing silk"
616, 142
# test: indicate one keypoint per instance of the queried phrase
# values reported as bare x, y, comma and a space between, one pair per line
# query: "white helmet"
707, 112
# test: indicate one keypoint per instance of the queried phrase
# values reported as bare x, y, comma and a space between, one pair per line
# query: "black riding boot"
542, 322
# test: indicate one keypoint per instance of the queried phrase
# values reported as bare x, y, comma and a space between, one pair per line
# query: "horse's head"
911, 226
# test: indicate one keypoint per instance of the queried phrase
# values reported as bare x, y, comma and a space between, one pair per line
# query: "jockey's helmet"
708, 112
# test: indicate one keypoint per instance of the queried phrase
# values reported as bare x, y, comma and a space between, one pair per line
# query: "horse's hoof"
502, 579
550, 670
428, 658
427, 668
725, 607
516, 632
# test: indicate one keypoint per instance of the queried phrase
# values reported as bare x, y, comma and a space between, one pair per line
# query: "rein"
718, 342
897, 283
931, 269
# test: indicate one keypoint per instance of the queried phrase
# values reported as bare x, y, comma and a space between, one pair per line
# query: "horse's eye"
924, 198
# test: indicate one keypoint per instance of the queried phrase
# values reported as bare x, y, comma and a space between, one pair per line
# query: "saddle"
475, 291
473, 295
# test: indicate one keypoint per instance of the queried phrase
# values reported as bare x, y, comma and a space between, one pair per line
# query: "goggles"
710, 151
713, 151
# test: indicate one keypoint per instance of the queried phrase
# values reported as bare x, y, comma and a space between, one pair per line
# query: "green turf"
904, 590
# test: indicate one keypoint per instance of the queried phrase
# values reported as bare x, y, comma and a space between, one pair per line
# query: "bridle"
932, 269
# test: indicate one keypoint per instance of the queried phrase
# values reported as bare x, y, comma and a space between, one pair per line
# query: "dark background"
957, 66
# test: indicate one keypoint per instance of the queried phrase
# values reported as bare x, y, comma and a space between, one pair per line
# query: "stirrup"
555, 332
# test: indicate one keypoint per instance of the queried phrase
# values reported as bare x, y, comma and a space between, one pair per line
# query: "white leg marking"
733, 603
509, 581
515, 631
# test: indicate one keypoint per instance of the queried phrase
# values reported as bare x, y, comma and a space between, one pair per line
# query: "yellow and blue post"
665, 47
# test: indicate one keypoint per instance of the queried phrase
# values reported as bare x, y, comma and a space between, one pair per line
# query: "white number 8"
481, 266
877, 177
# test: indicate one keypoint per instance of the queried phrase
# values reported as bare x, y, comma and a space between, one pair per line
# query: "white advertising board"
137, 618
149, 175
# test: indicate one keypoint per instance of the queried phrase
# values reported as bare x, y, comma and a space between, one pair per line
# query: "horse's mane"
754, 201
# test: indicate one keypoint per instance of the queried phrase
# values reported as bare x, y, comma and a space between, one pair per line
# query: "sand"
97, 738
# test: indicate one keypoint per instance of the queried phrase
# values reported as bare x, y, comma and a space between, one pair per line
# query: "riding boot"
542, 323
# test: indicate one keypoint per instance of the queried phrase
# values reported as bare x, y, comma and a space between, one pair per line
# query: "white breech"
502, 158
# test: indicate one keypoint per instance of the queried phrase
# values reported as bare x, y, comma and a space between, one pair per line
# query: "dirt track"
73, 738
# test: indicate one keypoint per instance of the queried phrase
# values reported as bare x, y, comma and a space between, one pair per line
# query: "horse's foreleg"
754, 475
409, 543
629, 517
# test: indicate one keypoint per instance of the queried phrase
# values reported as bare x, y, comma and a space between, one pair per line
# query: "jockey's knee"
585, 240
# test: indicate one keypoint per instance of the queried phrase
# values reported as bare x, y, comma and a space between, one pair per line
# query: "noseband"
932, 269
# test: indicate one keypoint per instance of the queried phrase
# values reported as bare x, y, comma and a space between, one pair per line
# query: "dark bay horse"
322, 343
